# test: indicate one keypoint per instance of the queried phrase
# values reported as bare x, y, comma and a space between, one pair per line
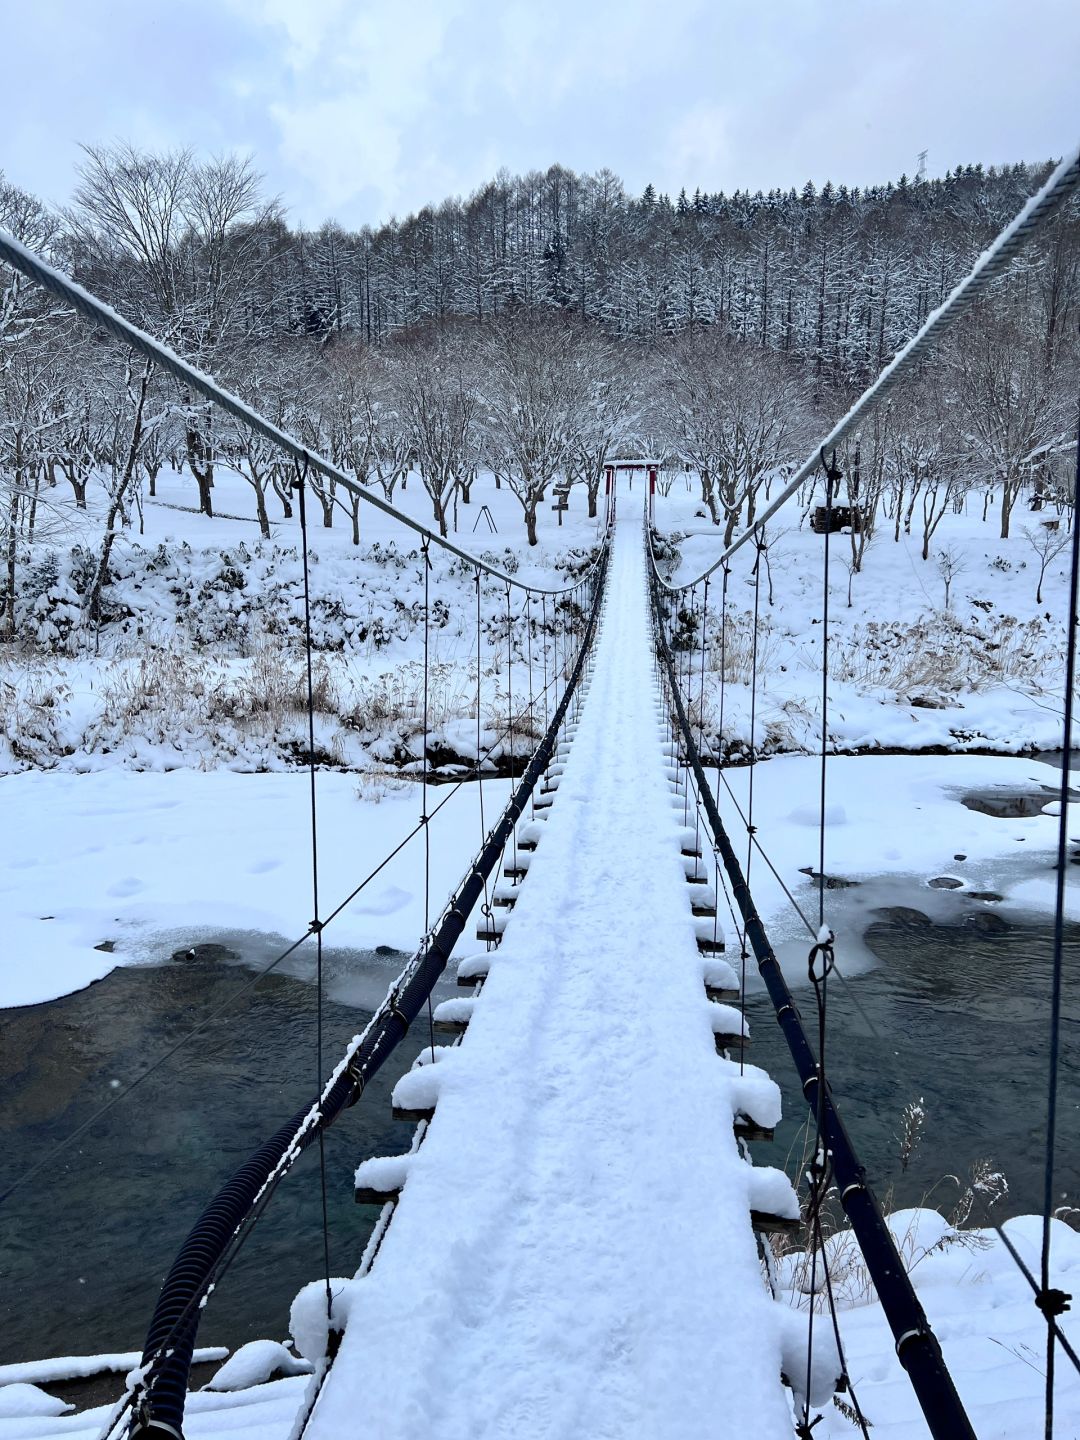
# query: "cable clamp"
804, 1431
300, 474
920, 1332
1052, 1302
397, 1012
316, 927
847, 1190
824, 950
354, 1072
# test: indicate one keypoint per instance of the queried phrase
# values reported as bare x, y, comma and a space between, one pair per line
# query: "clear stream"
85, 1245
953, 1011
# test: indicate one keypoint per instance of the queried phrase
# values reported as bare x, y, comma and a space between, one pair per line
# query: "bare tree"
179, 244
736, 414
436, 404
529, 402
607, 389
1011, 402
1048, 544
950, 563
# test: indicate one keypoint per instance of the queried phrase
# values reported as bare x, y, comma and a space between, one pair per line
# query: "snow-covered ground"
145, 859
150, 862
982, 1310
986, 674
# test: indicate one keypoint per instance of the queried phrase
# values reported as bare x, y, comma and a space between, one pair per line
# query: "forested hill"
836, 275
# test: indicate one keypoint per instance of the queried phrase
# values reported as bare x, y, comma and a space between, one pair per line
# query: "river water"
86, 1243
952, 1012
953, 1015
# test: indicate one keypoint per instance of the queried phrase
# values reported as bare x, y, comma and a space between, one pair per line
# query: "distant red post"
652, 493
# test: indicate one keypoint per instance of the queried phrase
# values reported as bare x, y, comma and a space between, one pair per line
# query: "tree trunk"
1009, 492
260, 511
202, 467
530, 522
116, 504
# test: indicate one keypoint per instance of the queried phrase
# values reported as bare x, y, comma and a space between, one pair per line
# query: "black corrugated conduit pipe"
158, 1408
916, 1344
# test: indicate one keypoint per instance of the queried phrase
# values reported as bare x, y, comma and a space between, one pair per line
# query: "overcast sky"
359, 109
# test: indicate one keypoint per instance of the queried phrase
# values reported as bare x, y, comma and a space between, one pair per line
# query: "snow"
533, 1281
754, 1094
906, 675
905, 817
771, 1192
418, 1089
255, 1363
20, 1400
384, 1173
981, 1309
153, 862
526, 1242
308, 1320
76, 1367
266, 1412
824, 1359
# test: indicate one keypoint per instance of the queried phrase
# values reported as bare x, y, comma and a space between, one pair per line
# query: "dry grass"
953, 1196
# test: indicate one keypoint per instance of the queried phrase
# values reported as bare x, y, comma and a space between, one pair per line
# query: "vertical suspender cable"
425, 555
316, 922
1050, 1301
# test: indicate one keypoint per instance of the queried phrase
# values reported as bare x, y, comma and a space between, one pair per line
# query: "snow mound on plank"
20, 1400
257, 1362
308, 1319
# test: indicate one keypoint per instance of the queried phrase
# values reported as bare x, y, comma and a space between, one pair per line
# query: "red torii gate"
611, 476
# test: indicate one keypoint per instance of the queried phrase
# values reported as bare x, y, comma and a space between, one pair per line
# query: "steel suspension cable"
916, 1345
992, 263
44, 1161
20, 258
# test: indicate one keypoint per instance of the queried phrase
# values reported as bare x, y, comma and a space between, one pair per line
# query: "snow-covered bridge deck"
572, 1252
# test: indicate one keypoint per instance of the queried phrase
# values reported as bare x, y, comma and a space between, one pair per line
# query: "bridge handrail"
917, 1346
159, 1398
99, 313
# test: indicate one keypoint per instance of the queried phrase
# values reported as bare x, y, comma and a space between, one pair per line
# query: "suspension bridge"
577, 1240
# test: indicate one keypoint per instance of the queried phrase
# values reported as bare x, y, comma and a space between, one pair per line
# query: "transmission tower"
920, 174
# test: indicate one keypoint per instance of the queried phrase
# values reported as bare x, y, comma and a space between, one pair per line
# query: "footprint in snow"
128, 886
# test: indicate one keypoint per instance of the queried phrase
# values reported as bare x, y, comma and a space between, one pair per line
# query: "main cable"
20, 258
993, 262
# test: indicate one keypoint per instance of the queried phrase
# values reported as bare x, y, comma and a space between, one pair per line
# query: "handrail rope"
990, 265
20, 258
43, 1161
167, 1357
819, 1192
917, 1346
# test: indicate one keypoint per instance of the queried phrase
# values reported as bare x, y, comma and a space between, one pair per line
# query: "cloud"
364, 108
